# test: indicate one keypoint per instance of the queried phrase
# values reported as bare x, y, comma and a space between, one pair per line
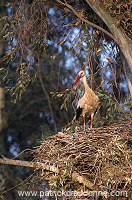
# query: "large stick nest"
100, 157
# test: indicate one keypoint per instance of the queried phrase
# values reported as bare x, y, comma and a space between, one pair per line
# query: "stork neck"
87, 88
85, 82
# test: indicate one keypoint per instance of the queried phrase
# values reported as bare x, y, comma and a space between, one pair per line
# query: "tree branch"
39, 165
47, 96
48, 167
82, 180
88, 22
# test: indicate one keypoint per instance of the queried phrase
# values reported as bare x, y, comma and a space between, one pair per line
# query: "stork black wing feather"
95, 111
78, 112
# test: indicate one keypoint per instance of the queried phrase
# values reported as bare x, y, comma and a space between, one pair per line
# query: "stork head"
80, 75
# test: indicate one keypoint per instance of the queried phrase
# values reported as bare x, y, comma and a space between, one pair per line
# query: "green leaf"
8, 4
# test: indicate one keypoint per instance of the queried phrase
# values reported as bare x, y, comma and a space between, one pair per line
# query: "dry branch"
37, 165
45, 166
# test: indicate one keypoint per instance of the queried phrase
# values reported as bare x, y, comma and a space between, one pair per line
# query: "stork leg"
84, 123
91, 120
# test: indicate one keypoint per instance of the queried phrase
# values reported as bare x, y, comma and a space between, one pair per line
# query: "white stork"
88, 104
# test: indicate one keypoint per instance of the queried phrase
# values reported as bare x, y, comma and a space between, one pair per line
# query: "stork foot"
91, 121
91, 126
84, 123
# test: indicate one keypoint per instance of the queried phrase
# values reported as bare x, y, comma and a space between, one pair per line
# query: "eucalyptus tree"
44, 44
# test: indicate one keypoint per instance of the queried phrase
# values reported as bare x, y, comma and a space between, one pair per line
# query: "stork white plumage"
89, 102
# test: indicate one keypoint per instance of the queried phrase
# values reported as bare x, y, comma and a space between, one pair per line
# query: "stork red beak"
77, 79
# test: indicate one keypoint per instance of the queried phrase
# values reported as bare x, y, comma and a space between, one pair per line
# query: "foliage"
121, 10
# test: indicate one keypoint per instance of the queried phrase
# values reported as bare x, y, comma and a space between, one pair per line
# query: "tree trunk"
124, 41
1, 107
2, 122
